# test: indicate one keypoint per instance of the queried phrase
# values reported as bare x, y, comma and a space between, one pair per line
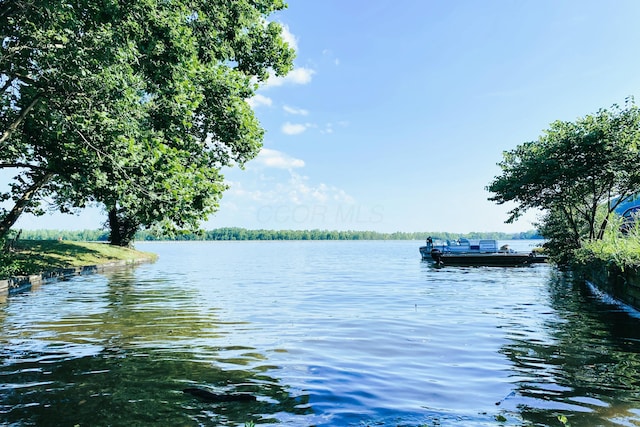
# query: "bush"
8, 263
615, 248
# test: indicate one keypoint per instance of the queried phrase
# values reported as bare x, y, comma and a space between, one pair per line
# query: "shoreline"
17, 284
44, 262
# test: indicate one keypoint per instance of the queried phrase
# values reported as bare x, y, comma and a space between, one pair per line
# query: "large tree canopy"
135, 105
576, 173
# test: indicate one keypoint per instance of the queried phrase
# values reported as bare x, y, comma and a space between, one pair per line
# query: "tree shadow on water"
136, 389
123, 355
582, 370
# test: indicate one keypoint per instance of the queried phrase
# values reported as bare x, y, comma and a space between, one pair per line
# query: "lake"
322, 333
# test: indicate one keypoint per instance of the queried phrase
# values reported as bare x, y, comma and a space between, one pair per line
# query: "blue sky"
397, 113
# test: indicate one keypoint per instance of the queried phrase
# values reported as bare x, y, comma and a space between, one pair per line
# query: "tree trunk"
122, 228
114, 227
10, 219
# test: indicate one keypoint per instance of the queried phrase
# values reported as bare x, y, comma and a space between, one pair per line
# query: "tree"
132, 105
573, 173
44, 79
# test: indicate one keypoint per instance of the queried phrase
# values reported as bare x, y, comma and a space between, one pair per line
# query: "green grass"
37, 256
621, 252
615, 248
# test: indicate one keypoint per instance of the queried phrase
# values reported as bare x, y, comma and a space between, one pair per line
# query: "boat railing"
463, 245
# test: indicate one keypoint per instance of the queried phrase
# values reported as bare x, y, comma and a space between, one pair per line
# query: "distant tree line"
235, 233
74, 235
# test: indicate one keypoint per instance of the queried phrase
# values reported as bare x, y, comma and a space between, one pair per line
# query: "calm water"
324, 334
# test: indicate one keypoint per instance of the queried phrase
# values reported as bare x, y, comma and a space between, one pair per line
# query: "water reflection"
325, 334
121, 351
584, 368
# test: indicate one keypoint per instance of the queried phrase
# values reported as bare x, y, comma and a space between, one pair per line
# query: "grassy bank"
36, 256
615, 248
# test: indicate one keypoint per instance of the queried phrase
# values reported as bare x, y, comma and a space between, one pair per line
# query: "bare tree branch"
20, 165
13, 126
8, 220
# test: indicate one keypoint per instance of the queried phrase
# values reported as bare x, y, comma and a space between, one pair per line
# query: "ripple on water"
323, 333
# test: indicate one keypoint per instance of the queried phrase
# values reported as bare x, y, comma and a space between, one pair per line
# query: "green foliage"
615, 248
561, 245
135, 106
9, 265
573, 173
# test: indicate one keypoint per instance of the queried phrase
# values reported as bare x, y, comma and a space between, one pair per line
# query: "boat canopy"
466, 245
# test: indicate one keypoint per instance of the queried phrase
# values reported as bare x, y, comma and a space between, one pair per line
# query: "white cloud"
297, 76
296, 190
258, 100
301, 192
277, 159
296, 111
329, 127
300, 76
294, 128
329, 54
285, 199
288, 37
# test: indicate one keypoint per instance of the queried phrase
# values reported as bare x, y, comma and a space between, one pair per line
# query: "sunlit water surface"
322, 333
